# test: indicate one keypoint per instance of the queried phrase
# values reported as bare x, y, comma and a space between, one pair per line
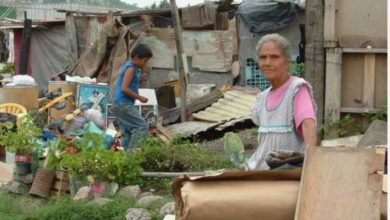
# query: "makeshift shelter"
258, 18
47, 43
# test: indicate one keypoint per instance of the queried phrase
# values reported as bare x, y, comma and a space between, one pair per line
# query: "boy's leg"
139, 132
132, 123
123, 125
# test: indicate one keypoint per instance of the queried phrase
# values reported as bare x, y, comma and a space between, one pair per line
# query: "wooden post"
369, 81
179, 49
314, 53
333, 83
71, 37
25, 48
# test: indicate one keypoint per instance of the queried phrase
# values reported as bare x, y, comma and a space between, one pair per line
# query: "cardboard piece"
270, 195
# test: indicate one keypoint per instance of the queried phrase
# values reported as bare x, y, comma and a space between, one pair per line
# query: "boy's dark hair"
141, 51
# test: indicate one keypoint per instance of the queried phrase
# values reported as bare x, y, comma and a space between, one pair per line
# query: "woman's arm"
309, 130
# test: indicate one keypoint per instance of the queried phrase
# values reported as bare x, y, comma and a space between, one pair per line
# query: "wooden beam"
171, 174
72, 43
314, 53
25, 48
369, 81
330, 24
179, 48
364, 50
360, 110
333, 83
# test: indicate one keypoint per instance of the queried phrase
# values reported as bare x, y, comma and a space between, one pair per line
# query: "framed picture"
110, 115
91, 96
149, 113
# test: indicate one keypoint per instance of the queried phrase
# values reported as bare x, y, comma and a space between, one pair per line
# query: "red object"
71, 150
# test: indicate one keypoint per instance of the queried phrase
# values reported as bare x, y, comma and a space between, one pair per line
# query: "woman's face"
272, 62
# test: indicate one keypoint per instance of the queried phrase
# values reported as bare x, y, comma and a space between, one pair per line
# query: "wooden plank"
210, 50
25, 47
341, 183
180, 53
330, 39
369, 80
333, 83
62, 176
360, 23
314, 53
380, 81
360, 110
364, 50
62, 186
352, 80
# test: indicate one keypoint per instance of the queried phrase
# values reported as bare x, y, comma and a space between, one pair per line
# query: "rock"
18, 188
100, 201
26, 179
144, 194
147, 201
168, 209
169, 217
130, 191
84, 194
137, 214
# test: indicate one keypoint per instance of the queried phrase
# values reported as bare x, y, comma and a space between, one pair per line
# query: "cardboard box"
257, 195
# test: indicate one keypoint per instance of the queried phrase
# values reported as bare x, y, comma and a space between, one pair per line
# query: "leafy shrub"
91, 159
8, 68
178, 156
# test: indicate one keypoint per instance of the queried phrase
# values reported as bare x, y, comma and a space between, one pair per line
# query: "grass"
16, 207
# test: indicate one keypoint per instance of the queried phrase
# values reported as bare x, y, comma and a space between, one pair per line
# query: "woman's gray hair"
281, 41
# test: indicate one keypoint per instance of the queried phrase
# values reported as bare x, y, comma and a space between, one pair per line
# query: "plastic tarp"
48, 54
262, 16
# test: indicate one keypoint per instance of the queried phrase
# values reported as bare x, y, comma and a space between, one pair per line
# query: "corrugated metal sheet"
189, 128
234, 105
47, 11
7, 12
233, 108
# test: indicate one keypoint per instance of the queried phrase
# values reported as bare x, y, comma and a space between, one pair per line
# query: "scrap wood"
200, 103
332, 176
6, 173
172, 174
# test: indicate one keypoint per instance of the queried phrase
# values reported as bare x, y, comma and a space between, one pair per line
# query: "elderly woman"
285, 112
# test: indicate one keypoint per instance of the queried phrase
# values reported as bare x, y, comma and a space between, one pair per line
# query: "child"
132, 126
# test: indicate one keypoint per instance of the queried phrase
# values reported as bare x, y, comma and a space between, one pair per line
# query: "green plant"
178, 156
8, 68
88, 158
340, 128
23, 140
297, 69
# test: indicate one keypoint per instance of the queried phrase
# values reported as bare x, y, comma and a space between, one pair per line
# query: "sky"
180, 3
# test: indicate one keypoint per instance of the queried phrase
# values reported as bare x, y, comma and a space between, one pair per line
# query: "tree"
164, 4
154, 6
